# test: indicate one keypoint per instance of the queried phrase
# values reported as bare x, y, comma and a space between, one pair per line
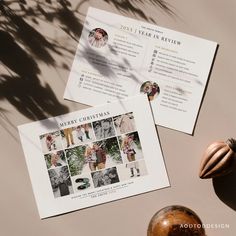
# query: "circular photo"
151, 89
98, 38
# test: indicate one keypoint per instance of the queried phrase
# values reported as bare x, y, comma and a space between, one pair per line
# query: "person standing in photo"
50, 142
90, 158
54, 160
100, 157
133, 165
86, 130
98, 130
62, 185
127, 147
80, 133
69, 136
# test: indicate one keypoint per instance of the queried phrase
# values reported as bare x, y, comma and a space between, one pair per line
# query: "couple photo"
94, 156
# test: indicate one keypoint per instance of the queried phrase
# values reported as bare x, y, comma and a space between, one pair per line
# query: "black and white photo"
105, 177
60, 181
104, 128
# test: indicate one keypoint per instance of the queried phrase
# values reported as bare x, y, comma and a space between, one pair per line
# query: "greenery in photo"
111, 147
76, 159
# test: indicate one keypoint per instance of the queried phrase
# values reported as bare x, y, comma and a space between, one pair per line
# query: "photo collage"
93, 155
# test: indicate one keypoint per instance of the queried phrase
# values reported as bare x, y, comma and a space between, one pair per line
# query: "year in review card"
118, 57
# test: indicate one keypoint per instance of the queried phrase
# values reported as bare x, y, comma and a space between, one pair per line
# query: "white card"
93, 156
118, 57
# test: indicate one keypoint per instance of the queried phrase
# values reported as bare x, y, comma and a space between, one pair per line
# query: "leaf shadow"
34, 41
16, 58
24, 46
131, 6
30, 97
69, 22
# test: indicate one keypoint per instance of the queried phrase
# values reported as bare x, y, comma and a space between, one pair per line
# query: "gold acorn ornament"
218, 159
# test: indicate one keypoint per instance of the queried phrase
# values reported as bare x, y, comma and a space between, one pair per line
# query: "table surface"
47, 58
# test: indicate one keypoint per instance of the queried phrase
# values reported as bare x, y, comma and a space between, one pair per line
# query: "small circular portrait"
98, 38
151, 89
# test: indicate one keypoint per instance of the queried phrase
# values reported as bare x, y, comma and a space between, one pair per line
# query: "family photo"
105, 177
98, 38
51, 141
124, 123
94, 156
60, 181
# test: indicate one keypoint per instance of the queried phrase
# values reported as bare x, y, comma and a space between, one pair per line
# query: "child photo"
104, 128
51, 141
105, 177
84, 133
55, 159
77, 135
60, 181
130, 147
98, 38
124, 123
132, 170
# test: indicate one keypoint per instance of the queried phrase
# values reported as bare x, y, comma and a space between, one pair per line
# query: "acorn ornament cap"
218, 159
